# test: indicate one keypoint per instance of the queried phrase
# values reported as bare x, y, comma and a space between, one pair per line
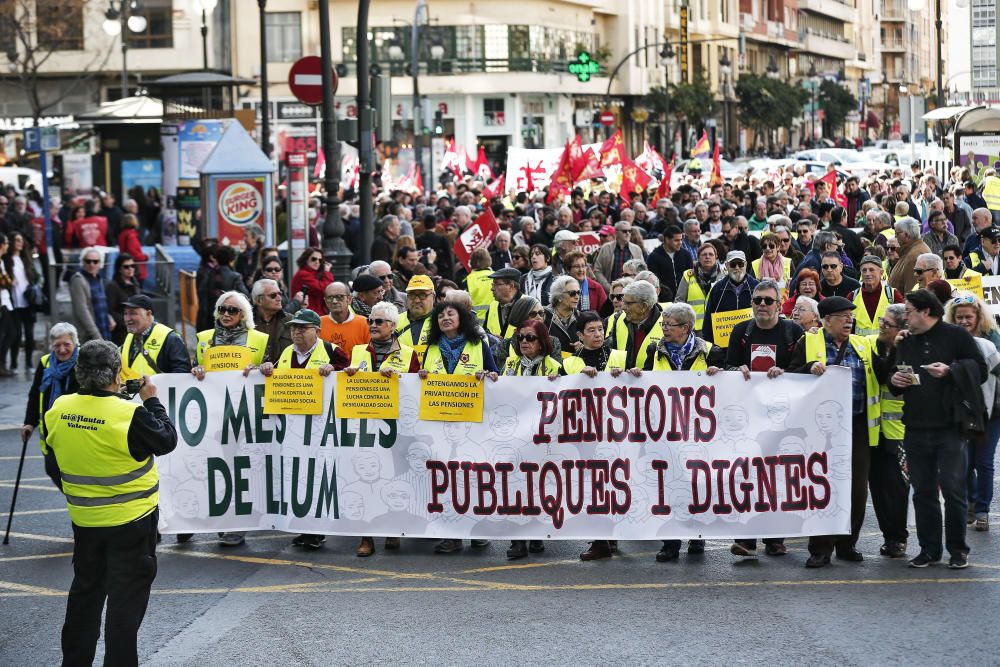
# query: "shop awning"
946, 113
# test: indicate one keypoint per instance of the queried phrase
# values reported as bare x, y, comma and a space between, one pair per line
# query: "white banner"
991, 293
540, 162
666, 455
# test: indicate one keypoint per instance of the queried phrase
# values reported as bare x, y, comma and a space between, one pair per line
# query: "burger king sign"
241, 203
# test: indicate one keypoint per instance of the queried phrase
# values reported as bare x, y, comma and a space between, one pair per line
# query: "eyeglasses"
830, 267
91, 261
273, 295
572, 293
765, 300
968, 299
378, 321
335, 297
887, 324
128, 266
272, 269
671, 325
526, 338
617, 297
228, 310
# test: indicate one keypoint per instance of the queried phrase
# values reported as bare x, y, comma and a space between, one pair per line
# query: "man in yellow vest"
104, 448
505, 293
835, 345
873, 298
991, 194
150, 347
641, 324
890, 486
414, 325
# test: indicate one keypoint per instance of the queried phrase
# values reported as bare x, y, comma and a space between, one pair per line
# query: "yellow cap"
420, 282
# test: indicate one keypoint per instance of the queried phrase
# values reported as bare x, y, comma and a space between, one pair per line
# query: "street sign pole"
37, 139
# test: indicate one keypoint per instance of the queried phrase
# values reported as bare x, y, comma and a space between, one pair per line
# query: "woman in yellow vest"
54, 377
246, 349
524, 309
534, 353
772, 264
616, 299
595, 355
834, 344
384, 353
680, 349
455, 346
696, 283
234, 329
478, 282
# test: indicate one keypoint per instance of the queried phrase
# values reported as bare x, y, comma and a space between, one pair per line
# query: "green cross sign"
583, 67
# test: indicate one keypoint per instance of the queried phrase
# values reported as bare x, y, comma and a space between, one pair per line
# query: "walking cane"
17, 484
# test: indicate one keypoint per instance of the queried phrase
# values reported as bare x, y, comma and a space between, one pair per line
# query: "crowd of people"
854, 277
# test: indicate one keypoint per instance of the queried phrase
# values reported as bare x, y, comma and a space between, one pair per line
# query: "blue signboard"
145, 173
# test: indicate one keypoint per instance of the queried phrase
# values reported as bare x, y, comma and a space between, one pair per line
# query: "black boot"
518, 549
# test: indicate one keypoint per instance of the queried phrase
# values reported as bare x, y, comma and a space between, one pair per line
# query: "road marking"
33, 590
25, 512
18, 458
24, 479
36, 557
43, 538
258, 560
34, 487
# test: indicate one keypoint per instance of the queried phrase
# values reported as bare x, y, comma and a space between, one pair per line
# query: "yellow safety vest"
398, 360
469, 362
41, 410
153, 346
888, 233
622, 340
317, 358
480, 287
863, 325
695, 298
404, 328
991, 193
816, 351
492, 323
786, 264
256, 341
549, 366
616, 359
891, 417
974, 260
104, 486
662, 362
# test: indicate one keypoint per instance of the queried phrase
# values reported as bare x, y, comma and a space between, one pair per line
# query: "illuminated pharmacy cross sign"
583, 67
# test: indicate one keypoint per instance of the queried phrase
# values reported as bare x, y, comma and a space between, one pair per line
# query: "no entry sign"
607, 118
305, 79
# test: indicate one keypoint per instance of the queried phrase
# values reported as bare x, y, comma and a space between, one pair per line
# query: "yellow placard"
367, 396
972, 283
294, 391
723, 323
226, 358
451, 398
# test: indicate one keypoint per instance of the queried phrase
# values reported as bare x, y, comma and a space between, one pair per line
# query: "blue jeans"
937, 459
980, 476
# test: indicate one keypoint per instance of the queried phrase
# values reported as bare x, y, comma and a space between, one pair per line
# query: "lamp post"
667, 58
265, 103
121, 19
903, 90
865, 84
421, 17
205, 7
332, 238
725, 68
885, 109
814, 80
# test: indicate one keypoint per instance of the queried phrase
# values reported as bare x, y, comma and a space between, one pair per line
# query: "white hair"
908, 226
649, 277
260, 286
379, 264
932, 260
60, 329
559, 288
642, 291
92, 249
386, 311
809, 303
502, 234
241, 302
459, 297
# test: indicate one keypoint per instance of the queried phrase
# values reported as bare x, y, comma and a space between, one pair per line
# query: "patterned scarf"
360, 307
530, 366
235, 336
451, 349
534, 281
676, 353
382, 349
774, 270
584, 296
55, 377
99, 300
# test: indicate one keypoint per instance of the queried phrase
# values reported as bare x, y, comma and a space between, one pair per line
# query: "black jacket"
932, 403
669, 270
970, 406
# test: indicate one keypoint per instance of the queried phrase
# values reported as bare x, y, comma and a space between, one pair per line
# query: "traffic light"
438, 122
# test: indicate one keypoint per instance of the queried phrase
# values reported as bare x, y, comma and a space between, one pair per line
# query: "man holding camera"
104, 447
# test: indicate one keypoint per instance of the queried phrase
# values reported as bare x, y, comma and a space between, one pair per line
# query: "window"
493, 112
159, 32
60, 24
284, 36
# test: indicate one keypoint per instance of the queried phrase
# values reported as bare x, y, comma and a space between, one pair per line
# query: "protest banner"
295, 391
971, 283
451, 398
665, 455
367, 396
227, 358
724, 321
588, 242
991, 293
479, 234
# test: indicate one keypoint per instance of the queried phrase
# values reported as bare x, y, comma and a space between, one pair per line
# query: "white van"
20, 178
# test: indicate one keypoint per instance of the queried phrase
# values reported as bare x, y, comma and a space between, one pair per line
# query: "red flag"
556, 191
494, 190
634, 179
479, 234
663, 191
320, 170
450, 161
830, 178
575, 158
562, 176
716, 177
418, 181
482, 167
613, 150
472, 165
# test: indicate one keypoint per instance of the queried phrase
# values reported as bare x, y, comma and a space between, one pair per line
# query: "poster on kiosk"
237, 182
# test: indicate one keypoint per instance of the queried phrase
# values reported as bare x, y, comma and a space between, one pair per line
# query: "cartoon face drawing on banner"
778, 410
352, 506
241, 204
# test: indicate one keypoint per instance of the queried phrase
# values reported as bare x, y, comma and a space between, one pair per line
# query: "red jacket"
312, 286
128, 241
86, 232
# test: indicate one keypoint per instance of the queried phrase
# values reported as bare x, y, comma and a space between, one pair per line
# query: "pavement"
269, 603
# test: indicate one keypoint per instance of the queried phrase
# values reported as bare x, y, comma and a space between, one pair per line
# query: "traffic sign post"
608, 118
42, 140
305, 79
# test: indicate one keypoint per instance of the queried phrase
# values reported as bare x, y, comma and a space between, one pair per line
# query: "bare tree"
33, 31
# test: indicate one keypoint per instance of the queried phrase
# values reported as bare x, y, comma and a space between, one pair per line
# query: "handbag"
34, 295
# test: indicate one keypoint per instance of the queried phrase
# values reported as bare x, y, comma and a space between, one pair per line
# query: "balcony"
832, 8
895, 46
894, 10
824, 44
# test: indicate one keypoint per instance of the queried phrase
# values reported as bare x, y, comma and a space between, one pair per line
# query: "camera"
131, 388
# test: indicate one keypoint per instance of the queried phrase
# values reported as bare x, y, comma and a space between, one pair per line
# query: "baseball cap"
606, 230
420, 283
564, 235
305, 317
992, 233
736, 254
139, 301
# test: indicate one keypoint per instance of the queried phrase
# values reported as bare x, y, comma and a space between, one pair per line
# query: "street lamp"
885, 109
667, 59
814, 79
205, 7
122, 18
725, 68
421, 18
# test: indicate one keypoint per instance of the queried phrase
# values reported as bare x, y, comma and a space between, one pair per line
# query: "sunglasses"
273, 295
228, 310
830, 267
765, 300
526, 338
91, 261
128, 266
920, 272
537, 313
769, 246
315, 259
387, 276
572, 293
892, 248
737, 262
963, 300
272, 269
378, 321
617, 297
